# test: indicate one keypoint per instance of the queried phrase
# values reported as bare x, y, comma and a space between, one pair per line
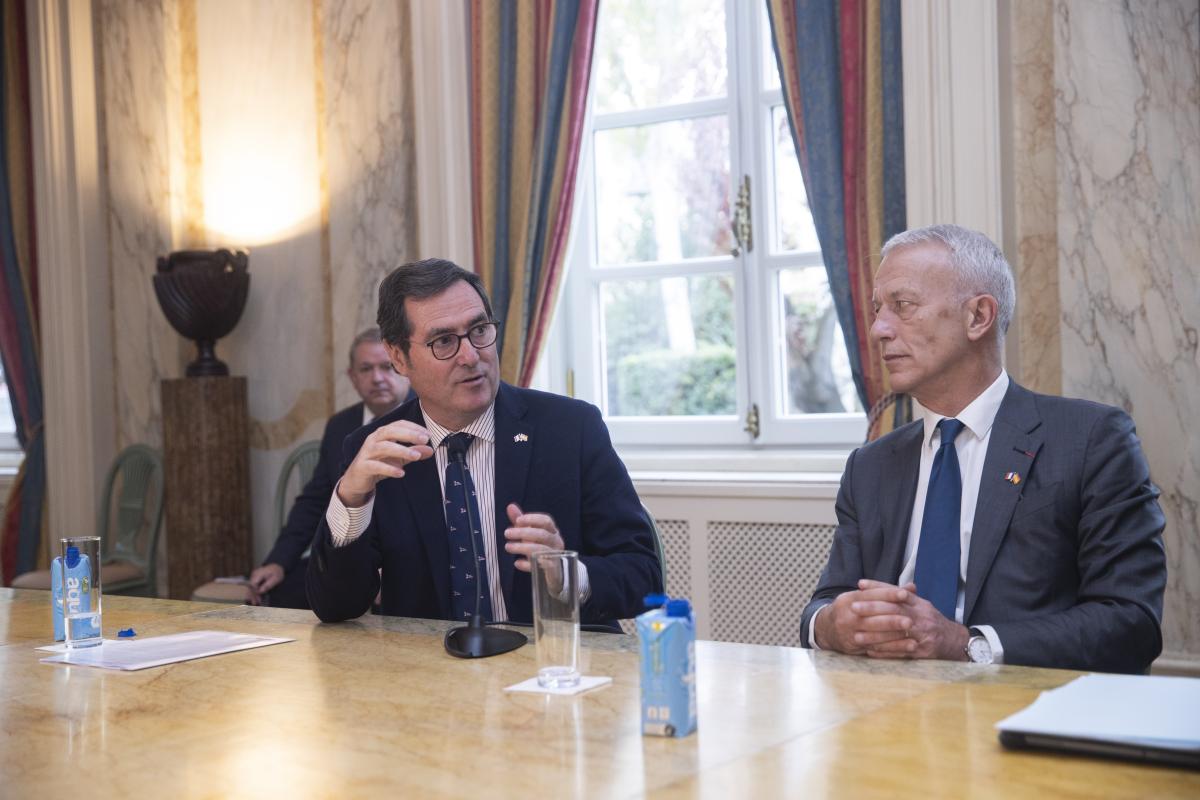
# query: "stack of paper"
159, 650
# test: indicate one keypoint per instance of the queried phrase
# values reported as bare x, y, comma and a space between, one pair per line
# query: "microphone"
475, 639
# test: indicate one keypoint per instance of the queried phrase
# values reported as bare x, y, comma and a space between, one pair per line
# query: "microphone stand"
475, 639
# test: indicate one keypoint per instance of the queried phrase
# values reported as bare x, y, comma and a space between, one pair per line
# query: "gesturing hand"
383, 454
530, 534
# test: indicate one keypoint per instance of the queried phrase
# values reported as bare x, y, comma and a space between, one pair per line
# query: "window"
680, 332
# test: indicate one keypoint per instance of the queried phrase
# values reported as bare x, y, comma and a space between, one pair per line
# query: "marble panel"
1035, 262
137, 52
1127, 79
368, 119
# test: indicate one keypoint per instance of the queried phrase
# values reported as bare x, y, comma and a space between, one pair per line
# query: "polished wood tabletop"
375, 707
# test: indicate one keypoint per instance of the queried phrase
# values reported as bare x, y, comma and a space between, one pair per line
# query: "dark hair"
418, 280
369, 335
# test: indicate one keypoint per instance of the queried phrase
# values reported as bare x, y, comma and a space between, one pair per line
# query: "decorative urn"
202, 294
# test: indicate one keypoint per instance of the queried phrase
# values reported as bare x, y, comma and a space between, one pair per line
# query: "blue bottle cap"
679, 608
126, 633
72, 556
655, 600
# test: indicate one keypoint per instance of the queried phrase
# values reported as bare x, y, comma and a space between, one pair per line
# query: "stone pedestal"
207, 458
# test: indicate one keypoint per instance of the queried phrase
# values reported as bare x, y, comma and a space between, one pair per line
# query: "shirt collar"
484, 427
979, 414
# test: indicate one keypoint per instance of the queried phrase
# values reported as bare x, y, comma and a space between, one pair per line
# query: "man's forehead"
367, 352
913, 267
458, 306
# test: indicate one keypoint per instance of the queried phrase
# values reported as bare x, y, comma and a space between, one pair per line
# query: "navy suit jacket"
564, 466
309, 508
1067, 566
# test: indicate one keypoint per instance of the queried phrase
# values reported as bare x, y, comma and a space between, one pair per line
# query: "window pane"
662, 191
813, 351
794, 230
669, 346
657, 52
7, 425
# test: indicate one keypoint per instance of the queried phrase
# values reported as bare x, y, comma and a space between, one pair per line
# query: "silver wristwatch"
978, 649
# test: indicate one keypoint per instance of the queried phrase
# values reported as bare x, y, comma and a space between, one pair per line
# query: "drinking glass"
556, 617
81, 591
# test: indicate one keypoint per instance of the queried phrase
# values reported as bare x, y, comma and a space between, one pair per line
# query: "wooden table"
376, 708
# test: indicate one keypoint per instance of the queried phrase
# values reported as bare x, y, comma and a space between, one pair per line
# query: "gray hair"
369, 335
981, 267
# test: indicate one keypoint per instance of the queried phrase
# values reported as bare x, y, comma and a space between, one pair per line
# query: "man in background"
280, 580
1005, 526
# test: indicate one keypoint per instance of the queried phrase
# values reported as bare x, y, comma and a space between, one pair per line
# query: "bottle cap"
655, 600
72, 557
679, 608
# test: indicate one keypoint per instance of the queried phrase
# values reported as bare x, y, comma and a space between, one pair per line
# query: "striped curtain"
22, 533
839, 64
530, 64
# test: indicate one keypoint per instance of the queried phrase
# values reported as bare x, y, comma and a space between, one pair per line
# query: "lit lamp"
202, 293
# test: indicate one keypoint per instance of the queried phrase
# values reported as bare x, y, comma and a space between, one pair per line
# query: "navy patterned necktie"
465, 570
938, 552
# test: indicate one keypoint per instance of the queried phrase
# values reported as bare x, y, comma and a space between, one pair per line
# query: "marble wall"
1127, 133
1106, 213
276, 126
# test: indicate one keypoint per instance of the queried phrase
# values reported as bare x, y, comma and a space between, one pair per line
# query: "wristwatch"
978, 649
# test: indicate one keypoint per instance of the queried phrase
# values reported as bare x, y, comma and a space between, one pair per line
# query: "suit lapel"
1012, 448
423, 491
513, 453
897, 501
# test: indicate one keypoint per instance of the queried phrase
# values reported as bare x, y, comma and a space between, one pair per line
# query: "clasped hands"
389, 449
885, 621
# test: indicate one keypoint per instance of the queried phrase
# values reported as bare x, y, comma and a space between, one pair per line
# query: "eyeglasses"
447, 345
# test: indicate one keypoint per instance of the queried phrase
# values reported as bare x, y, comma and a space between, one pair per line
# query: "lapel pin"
520, 437
1013, 477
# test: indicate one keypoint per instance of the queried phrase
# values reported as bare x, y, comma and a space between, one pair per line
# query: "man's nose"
467, 354
881, 328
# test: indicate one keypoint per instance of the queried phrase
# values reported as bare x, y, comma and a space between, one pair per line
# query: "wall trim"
442, 134
952, 114
76, 328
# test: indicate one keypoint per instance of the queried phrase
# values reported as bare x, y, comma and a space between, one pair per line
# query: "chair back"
658, 545
299, 465
131, 510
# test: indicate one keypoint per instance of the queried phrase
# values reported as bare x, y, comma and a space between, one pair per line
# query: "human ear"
399, 362
982, 310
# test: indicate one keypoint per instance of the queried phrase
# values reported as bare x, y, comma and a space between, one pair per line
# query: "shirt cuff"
993, 640
347, 524
812, 628
585, 588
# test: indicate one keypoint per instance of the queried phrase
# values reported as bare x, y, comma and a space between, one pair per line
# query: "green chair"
129, 523
658, 545
296, 472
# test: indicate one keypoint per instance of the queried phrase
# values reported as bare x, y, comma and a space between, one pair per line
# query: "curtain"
839, 64
530, 64
21, 533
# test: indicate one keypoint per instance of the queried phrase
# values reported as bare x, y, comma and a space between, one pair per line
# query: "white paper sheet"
1155, 711
155, 651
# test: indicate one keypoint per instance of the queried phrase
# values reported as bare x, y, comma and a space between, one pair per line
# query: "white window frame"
760, 371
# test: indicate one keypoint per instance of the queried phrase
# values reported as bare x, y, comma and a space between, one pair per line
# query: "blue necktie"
465, 571
938, 550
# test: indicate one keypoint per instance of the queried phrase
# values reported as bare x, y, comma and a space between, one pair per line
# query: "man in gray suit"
1003, 527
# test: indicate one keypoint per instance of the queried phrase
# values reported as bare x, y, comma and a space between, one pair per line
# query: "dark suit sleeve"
1114, 625
619, 552
309, 508
342, 581
845, 566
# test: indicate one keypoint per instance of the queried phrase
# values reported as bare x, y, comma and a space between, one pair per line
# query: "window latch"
743, 223
752, 421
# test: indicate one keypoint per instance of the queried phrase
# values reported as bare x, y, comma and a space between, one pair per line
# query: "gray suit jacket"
1068, 565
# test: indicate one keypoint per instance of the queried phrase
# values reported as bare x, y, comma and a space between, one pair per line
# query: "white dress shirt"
347, 524
971, 448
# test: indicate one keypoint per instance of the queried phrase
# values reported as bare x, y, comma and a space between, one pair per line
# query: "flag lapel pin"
520, 437
1013, 477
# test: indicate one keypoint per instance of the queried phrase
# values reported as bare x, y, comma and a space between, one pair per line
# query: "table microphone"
475, 639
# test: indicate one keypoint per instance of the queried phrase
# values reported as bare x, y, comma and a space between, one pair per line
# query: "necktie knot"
950, 429
457, 444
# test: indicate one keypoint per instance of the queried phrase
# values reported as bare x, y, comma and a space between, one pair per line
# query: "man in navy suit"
540, 470
1004, 527
280, 580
